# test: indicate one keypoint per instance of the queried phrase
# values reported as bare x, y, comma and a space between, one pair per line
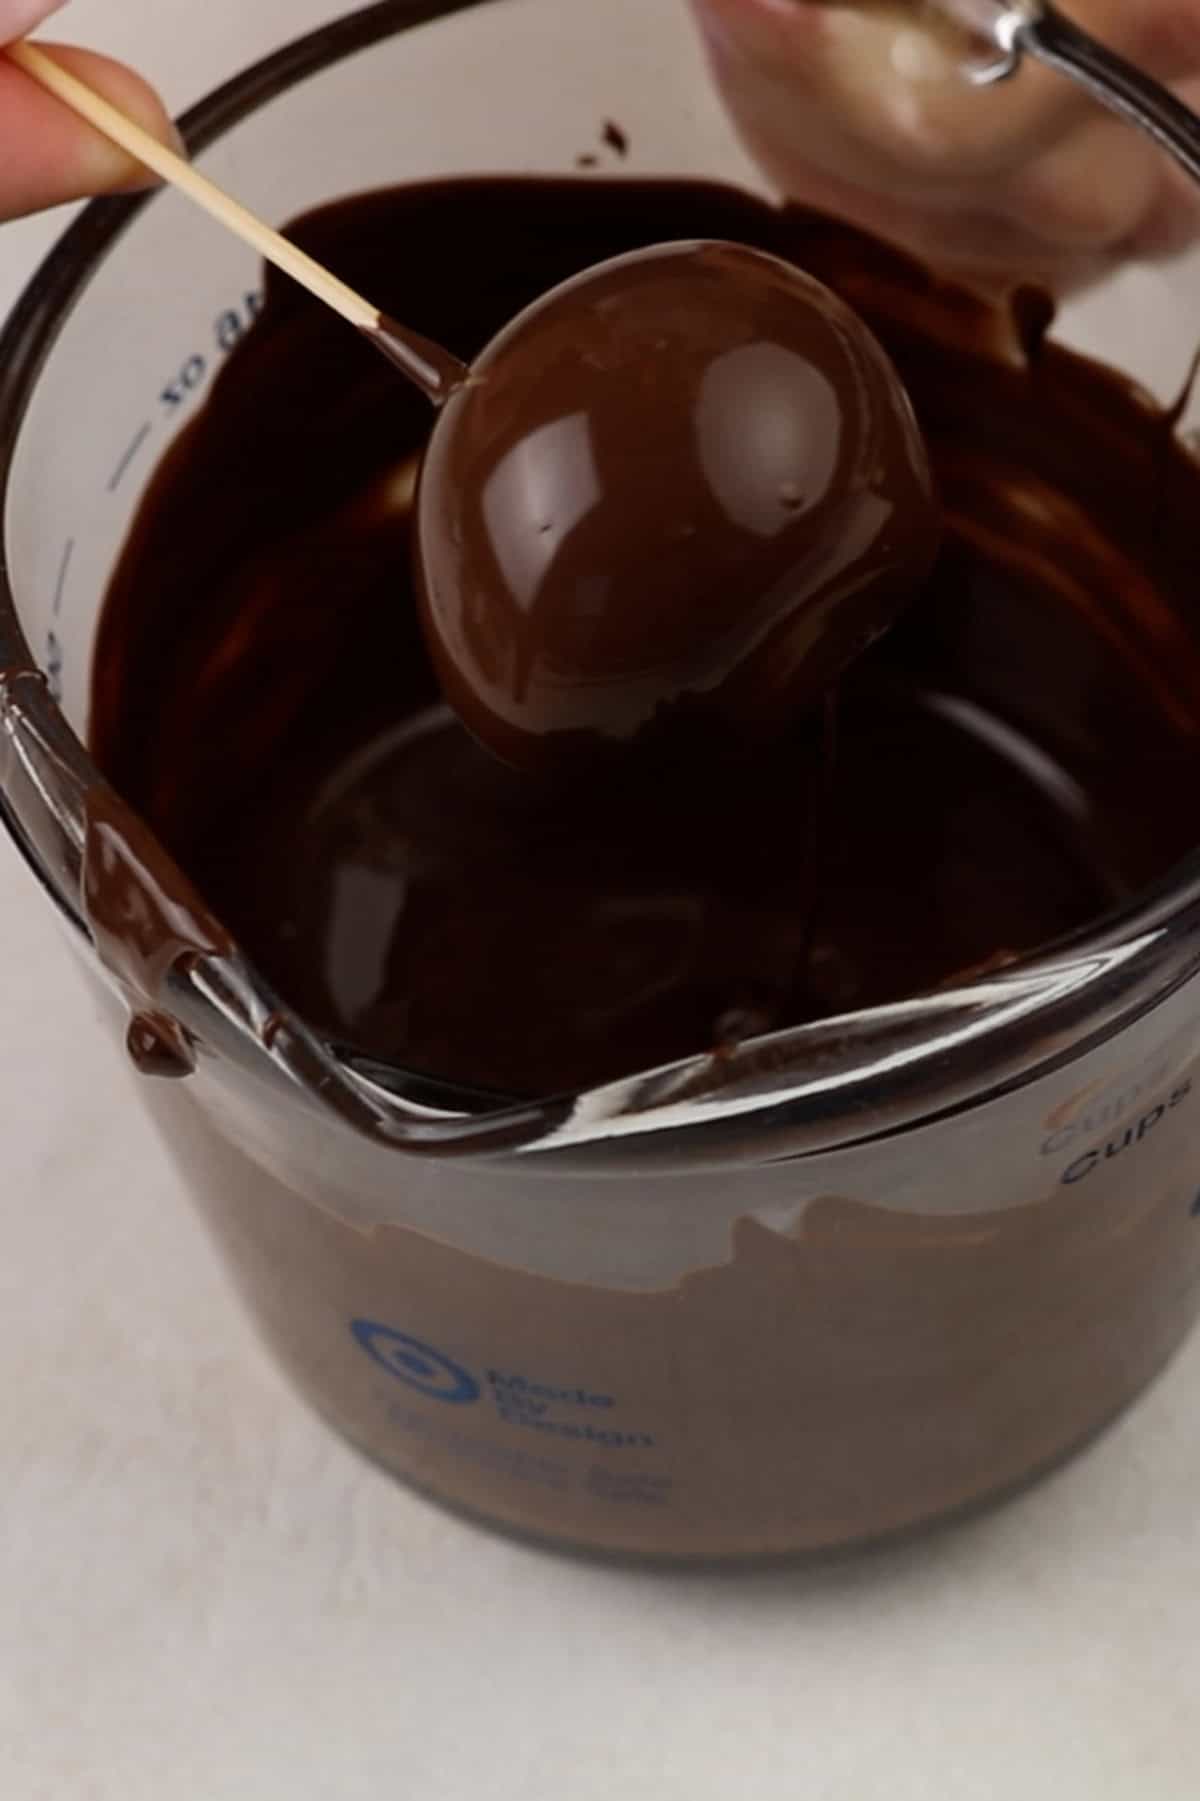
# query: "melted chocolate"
143, 915
158, 1046
146, 920
1020, 753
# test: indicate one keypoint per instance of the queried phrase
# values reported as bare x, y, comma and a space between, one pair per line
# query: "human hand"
47, 155
861, 109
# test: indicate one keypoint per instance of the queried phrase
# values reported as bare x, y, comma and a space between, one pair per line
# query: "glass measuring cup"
904, 1264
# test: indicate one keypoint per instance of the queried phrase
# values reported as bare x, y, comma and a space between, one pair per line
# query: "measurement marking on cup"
54, 667
118, 474
61, 583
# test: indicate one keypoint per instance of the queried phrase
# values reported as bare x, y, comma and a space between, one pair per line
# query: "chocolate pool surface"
1018, 755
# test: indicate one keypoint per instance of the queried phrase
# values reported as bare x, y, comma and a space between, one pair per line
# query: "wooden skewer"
433, 369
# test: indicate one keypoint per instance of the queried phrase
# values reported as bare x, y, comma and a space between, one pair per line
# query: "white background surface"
203, 1595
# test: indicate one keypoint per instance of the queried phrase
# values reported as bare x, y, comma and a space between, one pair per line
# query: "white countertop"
203, 1595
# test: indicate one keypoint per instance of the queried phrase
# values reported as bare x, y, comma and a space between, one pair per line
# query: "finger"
1172, 223
1163, 36
867, 115
49, 155
893, 89
1089, 192
18, 17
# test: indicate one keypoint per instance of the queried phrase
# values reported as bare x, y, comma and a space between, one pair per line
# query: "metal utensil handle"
1044, 33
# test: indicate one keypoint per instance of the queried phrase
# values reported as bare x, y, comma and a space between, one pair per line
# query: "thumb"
47, 153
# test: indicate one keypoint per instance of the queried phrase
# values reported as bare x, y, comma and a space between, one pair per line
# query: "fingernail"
144, 183
175, 141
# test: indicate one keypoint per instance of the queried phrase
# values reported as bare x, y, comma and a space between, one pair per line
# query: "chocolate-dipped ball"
678, 496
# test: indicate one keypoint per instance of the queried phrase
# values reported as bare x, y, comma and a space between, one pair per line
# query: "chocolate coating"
682, 492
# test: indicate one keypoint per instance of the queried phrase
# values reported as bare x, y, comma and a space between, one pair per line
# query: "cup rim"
793, 1093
